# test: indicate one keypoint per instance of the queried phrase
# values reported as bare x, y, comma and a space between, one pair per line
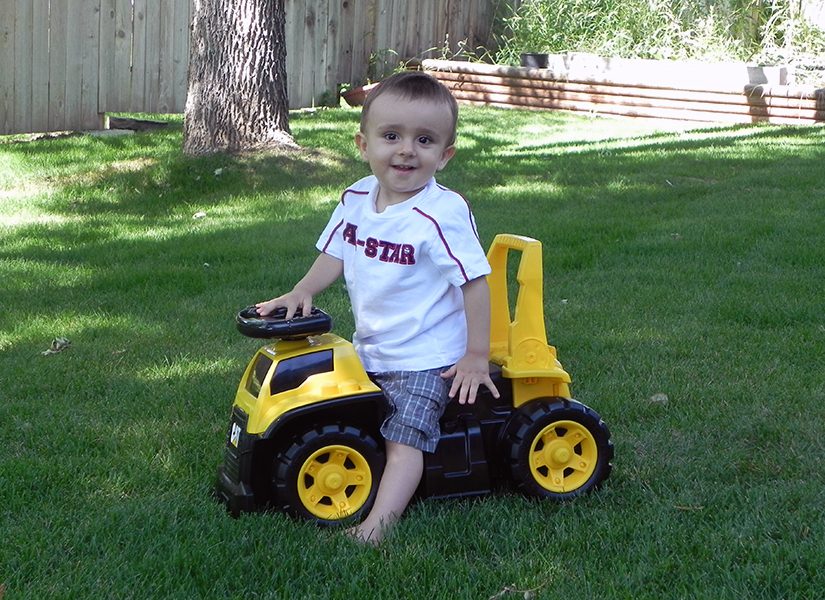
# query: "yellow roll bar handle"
519, 345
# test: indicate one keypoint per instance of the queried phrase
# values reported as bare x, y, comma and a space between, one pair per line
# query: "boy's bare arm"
323, 272
473, 370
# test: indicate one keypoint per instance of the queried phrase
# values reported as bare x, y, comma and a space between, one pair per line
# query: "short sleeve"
331, 239
454, 247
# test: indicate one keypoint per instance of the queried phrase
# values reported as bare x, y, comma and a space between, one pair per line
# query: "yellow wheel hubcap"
563, 456
334, 482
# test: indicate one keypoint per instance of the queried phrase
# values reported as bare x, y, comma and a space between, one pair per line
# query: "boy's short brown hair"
413, 85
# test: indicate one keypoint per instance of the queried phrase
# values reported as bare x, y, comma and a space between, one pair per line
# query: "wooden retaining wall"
732, 94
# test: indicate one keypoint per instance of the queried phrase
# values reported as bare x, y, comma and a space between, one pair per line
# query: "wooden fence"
351, 41
64, 63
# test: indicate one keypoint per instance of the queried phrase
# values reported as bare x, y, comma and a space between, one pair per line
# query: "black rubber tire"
294, 483
569, 446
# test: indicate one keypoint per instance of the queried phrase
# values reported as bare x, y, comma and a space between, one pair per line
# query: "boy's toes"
358, 535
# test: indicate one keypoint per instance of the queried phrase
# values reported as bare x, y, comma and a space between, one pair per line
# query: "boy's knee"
402, 453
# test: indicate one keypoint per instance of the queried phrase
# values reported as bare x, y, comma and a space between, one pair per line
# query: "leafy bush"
626, 28
762, 30
788, 38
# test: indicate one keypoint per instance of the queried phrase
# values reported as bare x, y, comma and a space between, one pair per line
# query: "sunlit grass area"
684, 287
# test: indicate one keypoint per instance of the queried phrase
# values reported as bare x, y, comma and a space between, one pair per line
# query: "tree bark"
237, 99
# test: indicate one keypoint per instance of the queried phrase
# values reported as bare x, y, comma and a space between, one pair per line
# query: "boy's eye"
424, 140
391, 137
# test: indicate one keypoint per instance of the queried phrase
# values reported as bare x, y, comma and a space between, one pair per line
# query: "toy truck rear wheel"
329, 474
558, 449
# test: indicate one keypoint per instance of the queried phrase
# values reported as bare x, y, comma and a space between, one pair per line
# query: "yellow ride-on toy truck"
304, 430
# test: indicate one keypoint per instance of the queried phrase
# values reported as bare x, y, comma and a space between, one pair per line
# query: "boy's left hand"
469, 374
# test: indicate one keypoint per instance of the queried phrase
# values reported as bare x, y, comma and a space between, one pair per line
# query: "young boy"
415, 274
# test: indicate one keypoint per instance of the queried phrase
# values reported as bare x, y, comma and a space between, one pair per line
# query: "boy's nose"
407, 148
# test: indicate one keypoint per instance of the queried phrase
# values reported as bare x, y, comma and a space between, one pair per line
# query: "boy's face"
405, 142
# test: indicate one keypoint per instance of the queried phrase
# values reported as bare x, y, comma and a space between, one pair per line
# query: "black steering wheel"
274, 325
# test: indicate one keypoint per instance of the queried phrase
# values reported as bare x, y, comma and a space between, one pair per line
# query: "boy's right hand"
321, 274
292, 301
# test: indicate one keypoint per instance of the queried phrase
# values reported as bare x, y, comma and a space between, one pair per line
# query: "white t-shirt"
403, 270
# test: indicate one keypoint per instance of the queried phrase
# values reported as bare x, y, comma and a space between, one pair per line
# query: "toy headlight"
258, 374
289, 373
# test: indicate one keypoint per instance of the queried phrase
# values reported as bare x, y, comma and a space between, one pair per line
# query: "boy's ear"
446, 155
361, 142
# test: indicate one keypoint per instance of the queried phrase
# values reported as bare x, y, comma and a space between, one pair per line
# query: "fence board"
166, 42
152, 56
310, 52
346, 40
424, 31
107, 69
7, 67
326, 29
40, 66
139, 34
164, 66
370, 36
90, 50
365, 40
120, 83
23, 23
289, 30
398, 25
58, 16
180, 56
74, 67
382, 20
411, 27
296, 18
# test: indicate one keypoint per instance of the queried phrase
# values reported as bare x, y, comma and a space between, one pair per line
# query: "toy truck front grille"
233, 474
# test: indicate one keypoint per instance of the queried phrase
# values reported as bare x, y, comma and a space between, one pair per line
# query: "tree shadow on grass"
134, 231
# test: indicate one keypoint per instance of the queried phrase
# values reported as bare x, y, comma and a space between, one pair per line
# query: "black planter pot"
534, 60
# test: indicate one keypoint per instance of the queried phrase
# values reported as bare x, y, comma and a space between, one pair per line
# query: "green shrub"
763, 30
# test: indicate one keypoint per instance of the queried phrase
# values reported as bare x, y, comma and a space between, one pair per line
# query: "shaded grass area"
683, 289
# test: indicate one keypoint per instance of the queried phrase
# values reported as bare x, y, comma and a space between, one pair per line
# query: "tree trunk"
237, 96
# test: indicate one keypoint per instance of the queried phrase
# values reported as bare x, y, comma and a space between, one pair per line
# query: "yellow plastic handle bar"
513, 241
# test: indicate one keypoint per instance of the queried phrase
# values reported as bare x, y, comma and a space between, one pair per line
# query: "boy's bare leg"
402, 474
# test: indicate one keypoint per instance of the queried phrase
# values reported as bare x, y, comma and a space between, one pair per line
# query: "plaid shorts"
415, 402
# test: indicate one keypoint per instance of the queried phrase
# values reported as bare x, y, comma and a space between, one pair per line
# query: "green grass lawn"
684, 290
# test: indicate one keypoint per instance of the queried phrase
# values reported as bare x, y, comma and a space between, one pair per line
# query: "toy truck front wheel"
558, 449
328, 474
